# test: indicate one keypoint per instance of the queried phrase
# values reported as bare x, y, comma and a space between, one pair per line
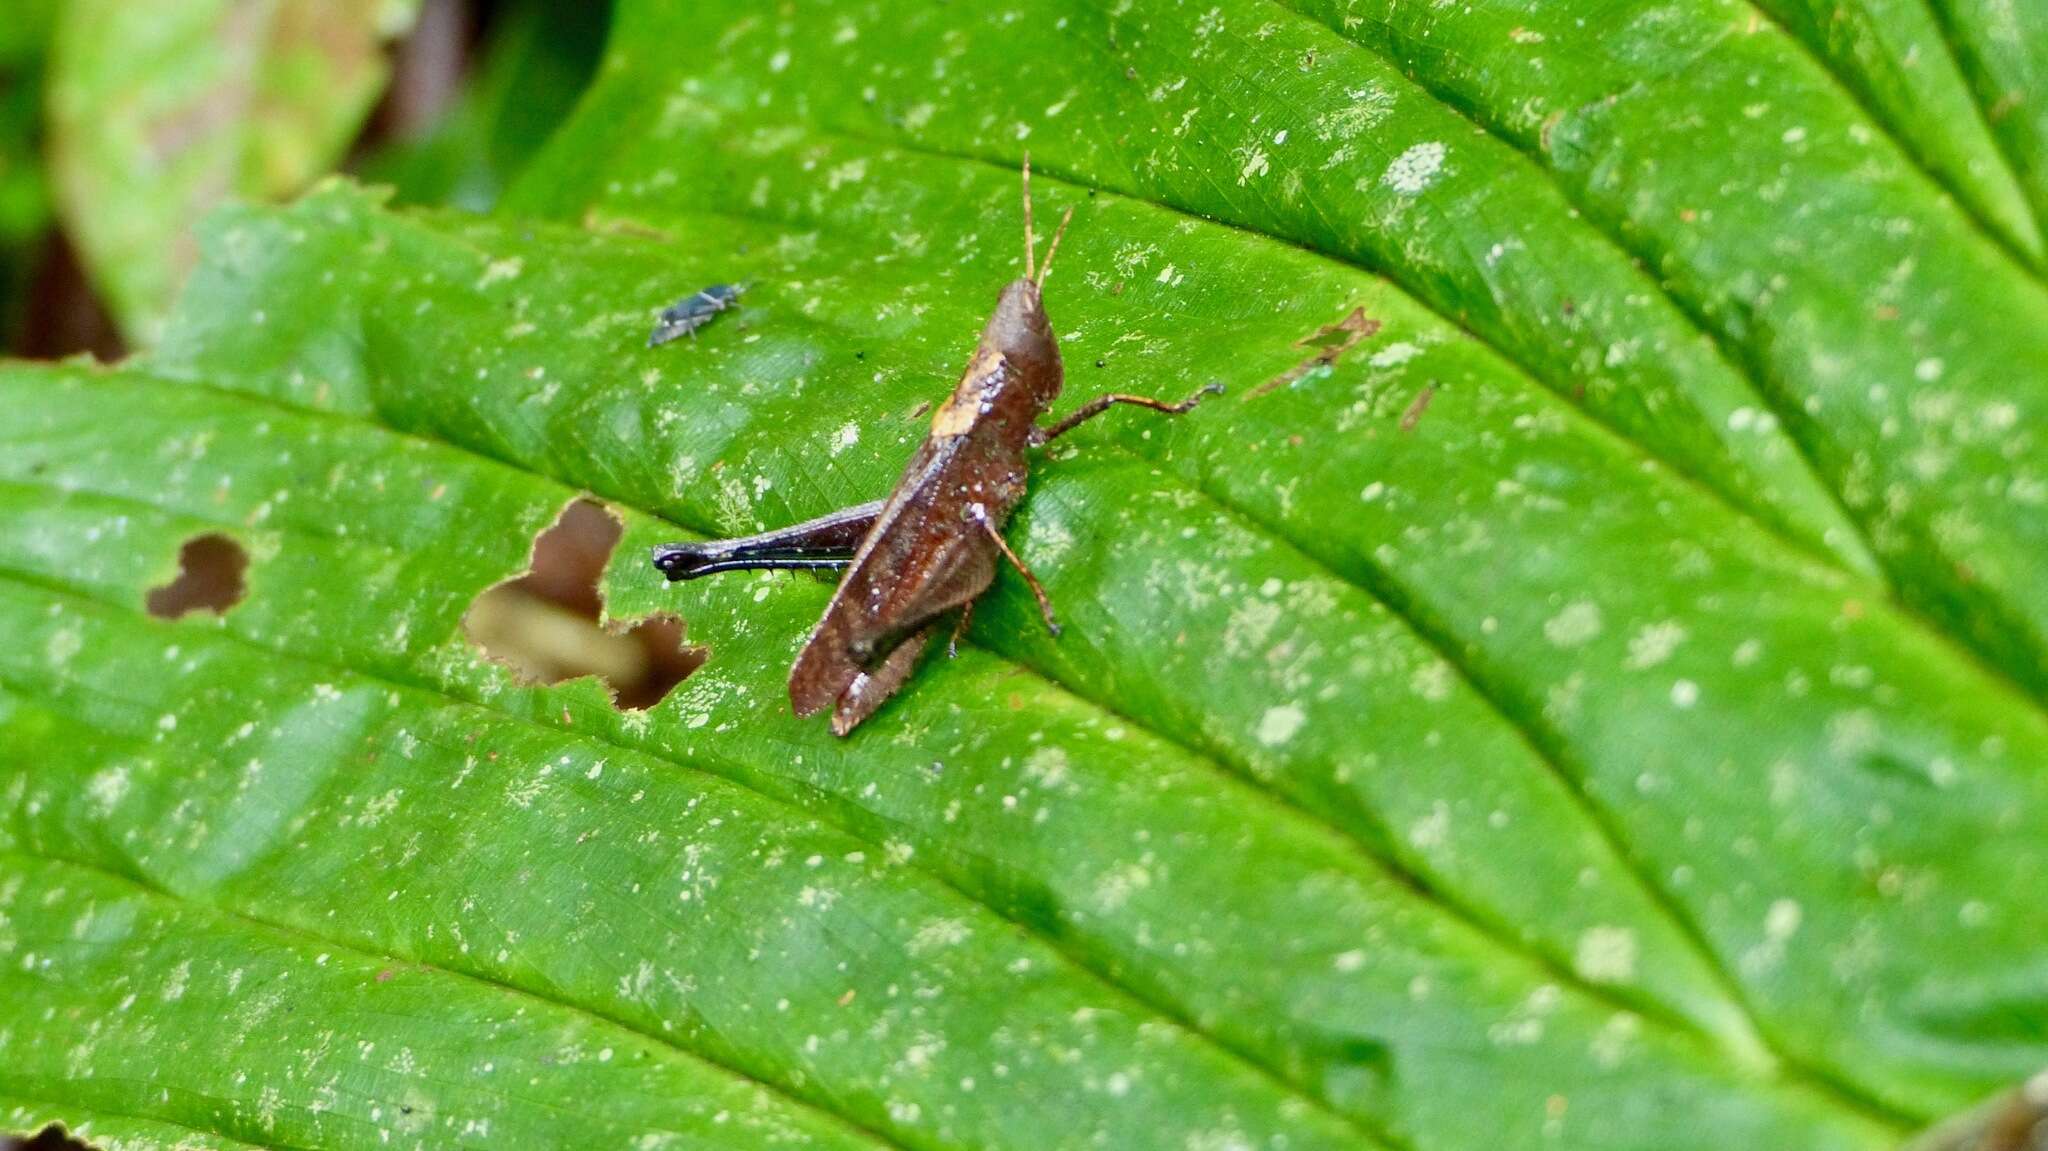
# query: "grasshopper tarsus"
959, 629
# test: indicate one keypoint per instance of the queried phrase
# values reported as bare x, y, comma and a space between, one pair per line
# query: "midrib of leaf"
299, 932
725, 769
605, 461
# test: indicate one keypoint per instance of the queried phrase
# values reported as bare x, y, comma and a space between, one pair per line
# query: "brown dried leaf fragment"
1330, 342
1413, 415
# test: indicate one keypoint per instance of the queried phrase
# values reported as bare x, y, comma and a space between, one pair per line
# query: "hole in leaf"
544, 624
210, 569
51, 1138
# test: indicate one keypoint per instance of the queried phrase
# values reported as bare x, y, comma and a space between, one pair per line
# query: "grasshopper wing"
913, 567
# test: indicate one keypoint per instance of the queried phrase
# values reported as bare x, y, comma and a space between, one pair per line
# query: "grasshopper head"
1022, 332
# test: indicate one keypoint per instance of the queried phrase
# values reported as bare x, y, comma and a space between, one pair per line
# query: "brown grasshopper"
931, 547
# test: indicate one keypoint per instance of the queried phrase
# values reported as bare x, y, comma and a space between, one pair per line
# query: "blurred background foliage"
24, 199
122, 123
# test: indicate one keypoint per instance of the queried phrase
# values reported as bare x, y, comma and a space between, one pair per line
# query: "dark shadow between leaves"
210, 571
544, 624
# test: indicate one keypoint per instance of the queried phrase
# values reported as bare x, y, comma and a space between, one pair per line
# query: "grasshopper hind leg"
870, 689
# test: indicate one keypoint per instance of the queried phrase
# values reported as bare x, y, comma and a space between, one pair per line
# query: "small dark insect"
931, 548
693, 312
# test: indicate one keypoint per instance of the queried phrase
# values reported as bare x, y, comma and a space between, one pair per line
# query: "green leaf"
1893, 57
266, 1037
2004, 50
158, 112
1499, 735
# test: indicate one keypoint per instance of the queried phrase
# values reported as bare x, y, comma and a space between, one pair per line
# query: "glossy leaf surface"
1601, 706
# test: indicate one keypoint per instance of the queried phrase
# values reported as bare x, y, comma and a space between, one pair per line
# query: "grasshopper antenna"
1030, 271
1045, 269
1033, 271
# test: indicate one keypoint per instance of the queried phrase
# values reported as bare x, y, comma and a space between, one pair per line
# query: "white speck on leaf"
1606, 955
851, 172
1653, 644
1431, 830
1577, 624
1414, 170
1254, 164
107, 788
174, 983
506, 269
1782, 920
1394, 355
1280, 724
